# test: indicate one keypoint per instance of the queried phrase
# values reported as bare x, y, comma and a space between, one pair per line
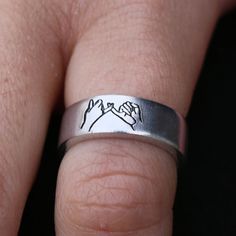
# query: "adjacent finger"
125, 110
109, 108
30, 72
98, 103
151, 49
133, 105
129, 105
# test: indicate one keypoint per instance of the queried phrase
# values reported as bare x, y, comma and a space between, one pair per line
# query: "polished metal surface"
121, 116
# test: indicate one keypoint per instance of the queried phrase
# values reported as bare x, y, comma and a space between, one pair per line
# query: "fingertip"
98, 103
91, 103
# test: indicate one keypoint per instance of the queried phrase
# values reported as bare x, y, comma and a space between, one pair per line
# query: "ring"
119, 116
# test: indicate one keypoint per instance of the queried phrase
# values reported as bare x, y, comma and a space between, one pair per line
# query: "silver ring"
121, 116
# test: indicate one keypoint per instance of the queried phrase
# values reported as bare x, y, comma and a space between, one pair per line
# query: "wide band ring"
118, 116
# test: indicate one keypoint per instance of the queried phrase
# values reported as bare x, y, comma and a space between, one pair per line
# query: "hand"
147, 48
128, 112
93, 112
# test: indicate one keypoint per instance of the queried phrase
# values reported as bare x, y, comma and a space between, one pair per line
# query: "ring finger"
135, 48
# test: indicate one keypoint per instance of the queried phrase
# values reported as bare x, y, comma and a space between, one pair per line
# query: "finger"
110, 104
127, 108
117, 186
129, 105
98, 103
123, 109
30, 71
134, 105
91, 104
116, 112
109, 107
136, 110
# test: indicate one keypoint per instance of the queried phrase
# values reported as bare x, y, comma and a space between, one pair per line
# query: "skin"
148, 48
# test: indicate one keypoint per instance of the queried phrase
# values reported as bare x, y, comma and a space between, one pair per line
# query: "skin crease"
106, 47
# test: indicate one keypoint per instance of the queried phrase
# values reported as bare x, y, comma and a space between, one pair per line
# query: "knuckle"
112, 193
